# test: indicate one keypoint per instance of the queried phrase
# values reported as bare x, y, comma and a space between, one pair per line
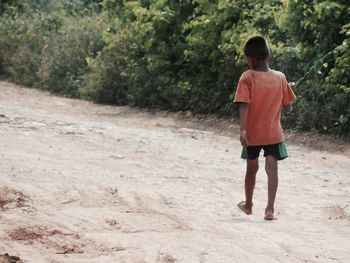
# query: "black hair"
256, 47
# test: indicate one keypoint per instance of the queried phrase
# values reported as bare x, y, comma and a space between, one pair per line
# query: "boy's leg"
249, 185
271, 168
250, 177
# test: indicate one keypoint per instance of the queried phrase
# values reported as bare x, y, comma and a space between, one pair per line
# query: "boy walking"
261, 94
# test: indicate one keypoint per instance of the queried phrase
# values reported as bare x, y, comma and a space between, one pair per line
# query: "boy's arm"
288, 107
242, 98
243, 115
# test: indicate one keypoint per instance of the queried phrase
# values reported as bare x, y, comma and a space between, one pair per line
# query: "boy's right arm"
292, 85
288, 107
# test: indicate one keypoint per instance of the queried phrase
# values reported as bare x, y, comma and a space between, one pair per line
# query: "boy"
261, 94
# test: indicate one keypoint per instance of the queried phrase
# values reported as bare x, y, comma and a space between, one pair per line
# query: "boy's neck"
263, 66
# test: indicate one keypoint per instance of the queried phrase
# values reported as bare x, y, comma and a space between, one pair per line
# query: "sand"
88, 183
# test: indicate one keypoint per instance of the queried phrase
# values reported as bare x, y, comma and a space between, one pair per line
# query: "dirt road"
86, 183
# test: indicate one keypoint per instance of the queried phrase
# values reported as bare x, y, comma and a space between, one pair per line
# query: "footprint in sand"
11, 198
337, 212
32, 233
6, 258
113, 223
165, 258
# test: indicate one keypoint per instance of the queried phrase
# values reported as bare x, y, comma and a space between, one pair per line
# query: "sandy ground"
86, 183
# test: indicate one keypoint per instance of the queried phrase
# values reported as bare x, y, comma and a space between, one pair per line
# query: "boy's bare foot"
269, 215
243, 206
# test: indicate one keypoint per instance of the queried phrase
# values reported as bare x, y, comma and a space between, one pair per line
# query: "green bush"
106, 81
319, 33
181, 54
25, 40
64, 56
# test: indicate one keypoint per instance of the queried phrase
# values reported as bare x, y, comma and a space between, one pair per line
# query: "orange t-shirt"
265, 92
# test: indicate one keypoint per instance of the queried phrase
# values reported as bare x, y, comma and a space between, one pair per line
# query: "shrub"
64, 56
181, 55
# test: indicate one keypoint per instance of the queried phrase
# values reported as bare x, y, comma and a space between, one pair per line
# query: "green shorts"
277, 150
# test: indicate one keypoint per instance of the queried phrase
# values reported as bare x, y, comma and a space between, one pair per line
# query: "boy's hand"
287, 108
243, 138
293, 86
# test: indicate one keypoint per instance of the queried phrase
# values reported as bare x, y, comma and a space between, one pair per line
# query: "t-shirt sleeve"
288, 94
243, 90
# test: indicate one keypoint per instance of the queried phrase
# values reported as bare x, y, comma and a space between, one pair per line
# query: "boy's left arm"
242, 97
243, 116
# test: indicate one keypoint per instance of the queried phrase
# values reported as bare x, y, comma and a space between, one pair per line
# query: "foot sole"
243, 207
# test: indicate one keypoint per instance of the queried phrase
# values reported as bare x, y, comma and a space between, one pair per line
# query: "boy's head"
256, 50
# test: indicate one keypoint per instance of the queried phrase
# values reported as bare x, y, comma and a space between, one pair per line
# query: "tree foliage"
181, 54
